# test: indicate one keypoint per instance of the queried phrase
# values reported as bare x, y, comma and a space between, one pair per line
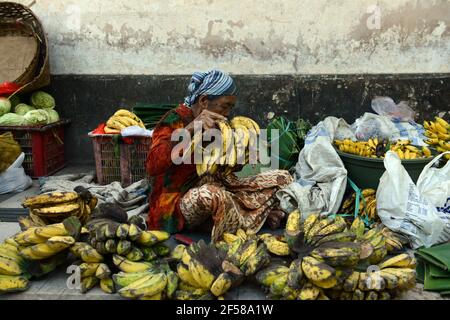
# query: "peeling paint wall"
247, 37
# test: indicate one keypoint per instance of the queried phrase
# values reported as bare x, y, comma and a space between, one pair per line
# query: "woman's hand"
208, 120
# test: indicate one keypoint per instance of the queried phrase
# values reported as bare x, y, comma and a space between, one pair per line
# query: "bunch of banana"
204, 271
128, 240
406, 151
248, 252
367, 205
361, 148
378, 241
374, 148
395, 274
438, 134
16, 270
56, 206
156, 282
238, 137
120, 120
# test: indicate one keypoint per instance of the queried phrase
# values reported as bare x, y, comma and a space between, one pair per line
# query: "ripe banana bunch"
438, 134
204, 271
93, 273
374, 148
122, 119
406, 151
237, 137
56, 206
367, 205
154, 283
247, 251
12, 264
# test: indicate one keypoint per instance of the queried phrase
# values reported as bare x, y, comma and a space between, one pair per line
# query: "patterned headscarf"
212, 83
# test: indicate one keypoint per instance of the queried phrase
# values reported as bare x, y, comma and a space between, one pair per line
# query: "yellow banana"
47, 249
107, 285
13, 283
442, 122
247, 122
9, 267
155, 284
186, 276
309, 292
222, 284
316, 270
400, 261
267, 276
49, 199
129, 266
201, 275
276, 247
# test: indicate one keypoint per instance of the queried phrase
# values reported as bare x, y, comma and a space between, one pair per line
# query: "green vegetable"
23, 108
36, 117
42, 100
5, 105
53, 116
291, 139
11, 119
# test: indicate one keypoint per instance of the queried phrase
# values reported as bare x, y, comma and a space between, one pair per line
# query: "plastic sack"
372, 125
14, 178
403, 207
385, 106
320, 173
9, 150
135, 131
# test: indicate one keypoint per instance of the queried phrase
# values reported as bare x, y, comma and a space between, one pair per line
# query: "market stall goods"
35, 252
40, 111
238, 136
367, 205
122, 119
56, 206
375, 148
438, 134
332, 263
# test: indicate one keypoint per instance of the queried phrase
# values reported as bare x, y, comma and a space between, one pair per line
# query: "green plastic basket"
366, 172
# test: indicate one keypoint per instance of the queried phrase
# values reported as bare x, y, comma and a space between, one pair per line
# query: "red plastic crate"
43, 147
116, 160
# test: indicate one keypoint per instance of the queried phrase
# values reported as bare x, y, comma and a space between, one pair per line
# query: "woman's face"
222, 105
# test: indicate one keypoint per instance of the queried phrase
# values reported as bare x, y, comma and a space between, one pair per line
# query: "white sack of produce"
412, 210
320, 174
14, 178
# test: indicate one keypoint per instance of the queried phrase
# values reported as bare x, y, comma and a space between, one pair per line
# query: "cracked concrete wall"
247, 37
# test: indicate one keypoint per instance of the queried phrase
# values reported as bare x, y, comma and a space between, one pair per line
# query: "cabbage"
5, 106
11, 119
42, 100
23, 108
53, 116
36, 117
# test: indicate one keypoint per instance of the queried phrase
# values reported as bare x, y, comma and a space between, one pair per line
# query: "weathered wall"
246, 37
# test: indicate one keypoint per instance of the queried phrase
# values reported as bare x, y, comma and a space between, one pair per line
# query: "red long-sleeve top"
170, 181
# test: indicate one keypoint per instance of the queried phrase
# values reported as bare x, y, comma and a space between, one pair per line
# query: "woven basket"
16, 19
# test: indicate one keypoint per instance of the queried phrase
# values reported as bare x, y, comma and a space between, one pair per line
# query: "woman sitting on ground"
180, 199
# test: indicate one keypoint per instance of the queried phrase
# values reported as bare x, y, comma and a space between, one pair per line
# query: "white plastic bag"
135, 131
404, 208
385, 106
372, 125
14, 178
434, 184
